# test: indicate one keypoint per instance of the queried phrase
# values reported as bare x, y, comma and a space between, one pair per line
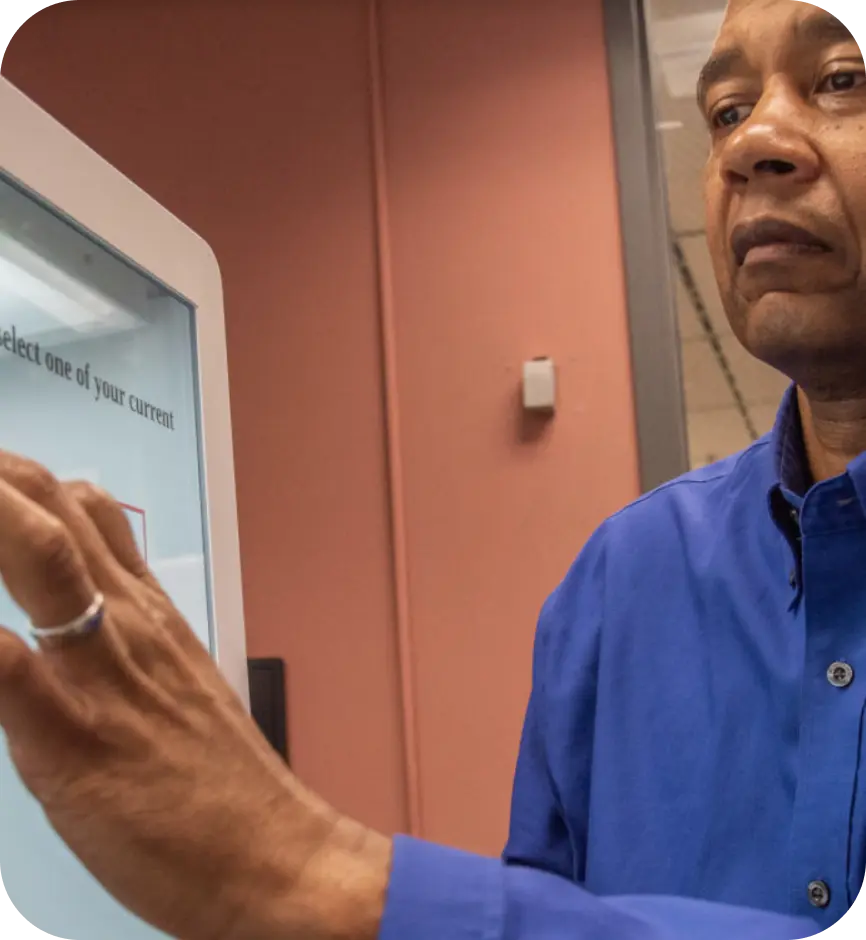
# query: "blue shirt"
688, 742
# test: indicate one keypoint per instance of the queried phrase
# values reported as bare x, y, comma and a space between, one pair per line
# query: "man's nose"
767, 153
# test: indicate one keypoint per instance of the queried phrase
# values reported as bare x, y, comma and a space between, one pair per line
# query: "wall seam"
393, 443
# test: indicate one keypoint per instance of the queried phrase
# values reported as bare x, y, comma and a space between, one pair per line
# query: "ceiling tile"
758, 383
763, 417
698, 259
682, 129
689, 326
716, 434
684, 149
703, 381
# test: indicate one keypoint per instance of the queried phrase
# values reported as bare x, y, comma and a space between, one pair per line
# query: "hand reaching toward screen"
144, 761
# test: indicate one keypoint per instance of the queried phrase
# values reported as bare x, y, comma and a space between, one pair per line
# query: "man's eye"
732, 116
842, 81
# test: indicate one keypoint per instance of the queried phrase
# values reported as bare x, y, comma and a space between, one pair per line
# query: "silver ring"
89, 622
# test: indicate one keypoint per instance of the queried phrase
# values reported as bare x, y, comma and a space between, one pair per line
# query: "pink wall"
403, 214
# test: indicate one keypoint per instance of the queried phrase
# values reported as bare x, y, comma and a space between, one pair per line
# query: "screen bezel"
48, 160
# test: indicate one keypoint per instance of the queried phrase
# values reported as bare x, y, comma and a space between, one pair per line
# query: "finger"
158, 659
42, 488
40, 563
111, 523
113, 526
45, 572
131, 648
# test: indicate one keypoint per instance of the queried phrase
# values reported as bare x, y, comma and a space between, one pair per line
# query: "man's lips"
773, 240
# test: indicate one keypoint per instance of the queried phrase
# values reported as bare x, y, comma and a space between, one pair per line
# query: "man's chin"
801, 334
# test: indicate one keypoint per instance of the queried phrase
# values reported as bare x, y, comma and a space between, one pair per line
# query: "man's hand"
143, 759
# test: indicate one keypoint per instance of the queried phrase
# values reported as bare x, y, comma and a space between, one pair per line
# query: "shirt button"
819, 894
840, 675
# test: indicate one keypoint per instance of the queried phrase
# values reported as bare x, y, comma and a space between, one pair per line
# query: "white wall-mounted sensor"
539, 385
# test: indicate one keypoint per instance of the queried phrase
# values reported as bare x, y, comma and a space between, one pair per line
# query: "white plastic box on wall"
539, 385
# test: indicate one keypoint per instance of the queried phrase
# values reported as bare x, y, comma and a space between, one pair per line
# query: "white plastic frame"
50, 161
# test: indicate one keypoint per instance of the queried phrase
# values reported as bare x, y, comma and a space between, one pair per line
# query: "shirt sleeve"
558, 731
443, 894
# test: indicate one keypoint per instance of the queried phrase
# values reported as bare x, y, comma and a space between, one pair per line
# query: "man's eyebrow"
820, 29
719, 66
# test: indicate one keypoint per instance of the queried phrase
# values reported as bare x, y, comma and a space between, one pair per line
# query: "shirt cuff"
436, 892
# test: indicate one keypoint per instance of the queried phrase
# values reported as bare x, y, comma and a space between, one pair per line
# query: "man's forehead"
752, 25
745, 17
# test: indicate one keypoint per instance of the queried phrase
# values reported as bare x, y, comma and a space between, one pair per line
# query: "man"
696, 724
701, 674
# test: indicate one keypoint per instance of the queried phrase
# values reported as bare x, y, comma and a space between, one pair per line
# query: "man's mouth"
772, 240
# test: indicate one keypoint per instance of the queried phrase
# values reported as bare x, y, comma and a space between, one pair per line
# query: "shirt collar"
793, 479
789, 450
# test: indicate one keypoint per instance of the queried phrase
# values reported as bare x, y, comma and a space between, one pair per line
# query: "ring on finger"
88, 622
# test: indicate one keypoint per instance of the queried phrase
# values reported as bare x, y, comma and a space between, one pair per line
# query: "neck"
834, 432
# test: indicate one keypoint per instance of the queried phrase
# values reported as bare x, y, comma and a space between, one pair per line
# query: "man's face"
784, 95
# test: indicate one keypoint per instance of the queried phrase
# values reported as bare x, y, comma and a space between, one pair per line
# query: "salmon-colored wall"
407, 199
